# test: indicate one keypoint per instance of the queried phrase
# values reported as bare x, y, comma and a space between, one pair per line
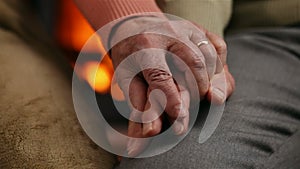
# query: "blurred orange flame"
97, 76
73, 29
73, 32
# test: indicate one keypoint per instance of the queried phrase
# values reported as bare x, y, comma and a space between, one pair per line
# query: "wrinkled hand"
206, 62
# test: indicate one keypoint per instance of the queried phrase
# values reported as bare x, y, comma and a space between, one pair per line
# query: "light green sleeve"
214, 15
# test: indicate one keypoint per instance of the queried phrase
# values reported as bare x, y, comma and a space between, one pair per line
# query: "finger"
222, 86
137, 97
158, 76
194, 59
207, 49
135, 145
138, 93
152, 114
221, 49
180, 125
220, 46
217, 90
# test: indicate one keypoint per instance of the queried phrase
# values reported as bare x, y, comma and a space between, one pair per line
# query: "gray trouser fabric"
261, 122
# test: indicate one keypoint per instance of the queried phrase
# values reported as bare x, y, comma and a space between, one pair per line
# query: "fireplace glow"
98, 77
73, 31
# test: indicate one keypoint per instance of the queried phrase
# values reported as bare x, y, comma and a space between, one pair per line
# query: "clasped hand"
195, 53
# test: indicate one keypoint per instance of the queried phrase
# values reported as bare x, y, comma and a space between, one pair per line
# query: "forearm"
101, 12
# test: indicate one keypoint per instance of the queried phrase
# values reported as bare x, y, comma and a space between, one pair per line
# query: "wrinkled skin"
207, 64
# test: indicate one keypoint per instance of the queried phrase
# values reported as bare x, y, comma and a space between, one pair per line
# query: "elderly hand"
206, 61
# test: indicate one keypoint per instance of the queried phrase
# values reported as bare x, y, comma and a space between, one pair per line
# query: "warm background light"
73, 31
98, 76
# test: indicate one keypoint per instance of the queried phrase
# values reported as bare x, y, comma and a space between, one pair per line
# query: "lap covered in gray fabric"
261, 122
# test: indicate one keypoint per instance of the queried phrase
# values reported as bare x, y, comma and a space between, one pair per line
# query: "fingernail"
178, 128
147, 127
218, 93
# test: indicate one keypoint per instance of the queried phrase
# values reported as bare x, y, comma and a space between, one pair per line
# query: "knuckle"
143, 40
197, 63
203, 90
203, 87
177, 47
222, 46
156, 129
158, 76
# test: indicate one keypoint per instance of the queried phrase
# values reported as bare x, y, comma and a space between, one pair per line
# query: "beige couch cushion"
38, 125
